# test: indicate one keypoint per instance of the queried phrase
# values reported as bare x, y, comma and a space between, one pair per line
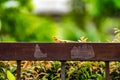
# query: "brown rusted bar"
18, 69
62, 52
107, 70
62, 70
53, 51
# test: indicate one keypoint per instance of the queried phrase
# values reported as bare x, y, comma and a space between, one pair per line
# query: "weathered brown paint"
107, 70
18, 69
58, 51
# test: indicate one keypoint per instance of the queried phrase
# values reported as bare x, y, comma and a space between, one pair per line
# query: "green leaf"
10, 76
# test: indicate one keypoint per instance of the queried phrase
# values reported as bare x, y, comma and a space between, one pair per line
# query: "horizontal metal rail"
61, 52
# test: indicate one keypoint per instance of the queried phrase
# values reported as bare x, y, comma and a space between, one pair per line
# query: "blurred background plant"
95, 19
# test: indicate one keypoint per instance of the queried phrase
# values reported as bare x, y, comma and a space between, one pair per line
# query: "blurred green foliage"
94, 19
51, 70
18, 24
8, 70
77, 70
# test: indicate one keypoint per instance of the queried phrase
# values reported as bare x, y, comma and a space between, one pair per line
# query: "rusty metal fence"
60, 52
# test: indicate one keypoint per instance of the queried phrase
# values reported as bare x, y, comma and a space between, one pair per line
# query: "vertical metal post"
107, 70
18, 69
62, 70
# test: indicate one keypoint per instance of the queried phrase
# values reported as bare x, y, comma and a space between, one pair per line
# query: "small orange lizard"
61, 41
82, 39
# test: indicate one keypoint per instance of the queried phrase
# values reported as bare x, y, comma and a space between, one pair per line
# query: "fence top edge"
59, 43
